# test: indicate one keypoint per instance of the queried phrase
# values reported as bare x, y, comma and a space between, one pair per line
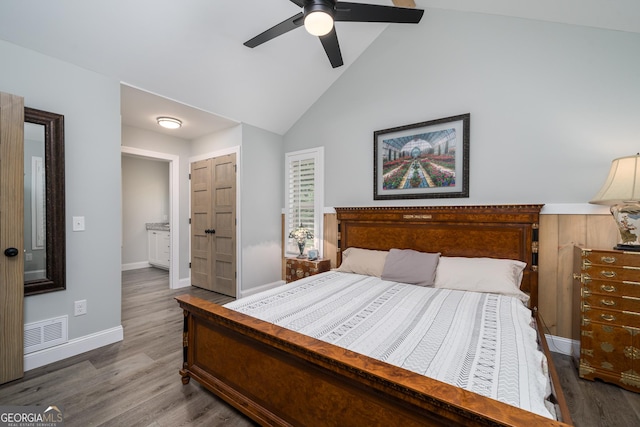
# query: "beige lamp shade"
623, 183
621, 191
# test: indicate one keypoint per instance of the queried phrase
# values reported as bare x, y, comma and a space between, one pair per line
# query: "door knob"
11, 252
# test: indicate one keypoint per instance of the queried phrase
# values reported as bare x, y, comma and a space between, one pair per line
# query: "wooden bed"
280, 377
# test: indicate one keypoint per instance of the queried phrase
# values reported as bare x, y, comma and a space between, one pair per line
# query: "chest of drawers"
607, 299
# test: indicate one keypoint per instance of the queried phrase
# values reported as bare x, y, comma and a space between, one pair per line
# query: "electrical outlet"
80, 307
28, 256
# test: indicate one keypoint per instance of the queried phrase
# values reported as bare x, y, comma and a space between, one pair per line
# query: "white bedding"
481, 342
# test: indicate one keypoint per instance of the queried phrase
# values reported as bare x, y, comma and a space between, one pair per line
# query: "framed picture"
423, 160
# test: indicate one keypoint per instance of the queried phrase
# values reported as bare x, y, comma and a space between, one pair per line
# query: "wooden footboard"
280, 377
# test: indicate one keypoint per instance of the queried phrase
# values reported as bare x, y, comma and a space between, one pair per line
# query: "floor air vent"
45, 334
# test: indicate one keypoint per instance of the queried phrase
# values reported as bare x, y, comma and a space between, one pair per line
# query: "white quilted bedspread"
481, 342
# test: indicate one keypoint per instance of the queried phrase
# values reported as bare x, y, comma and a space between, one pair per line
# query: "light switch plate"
78, 223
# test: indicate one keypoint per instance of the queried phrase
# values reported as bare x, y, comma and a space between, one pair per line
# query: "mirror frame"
55, 279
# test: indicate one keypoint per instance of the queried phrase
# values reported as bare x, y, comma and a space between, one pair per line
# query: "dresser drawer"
609, 317
610, 272
606, 347
612, 258
613, 302
611, 287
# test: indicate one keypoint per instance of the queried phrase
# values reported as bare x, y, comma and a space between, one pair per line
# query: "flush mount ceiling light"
169, 122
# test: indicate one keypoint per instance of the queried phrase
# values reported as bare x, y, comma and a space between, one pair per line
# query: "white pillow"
499, 276
363, 261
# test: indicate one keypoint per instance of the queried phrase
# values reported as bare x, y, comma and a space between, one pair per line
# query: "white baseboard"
560, 345
257, 289
135, 265
183, 283
73, 347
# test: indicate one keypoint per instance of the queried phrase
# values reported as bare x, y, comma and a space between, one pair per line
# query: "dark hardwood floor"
595, 403
136, 382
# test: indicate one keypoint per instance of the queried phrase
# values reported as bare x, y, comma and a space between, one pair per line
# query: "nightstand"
297, 268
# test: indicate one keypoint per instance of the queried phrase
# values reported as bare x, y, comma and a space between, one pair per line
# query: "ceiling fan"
318, 17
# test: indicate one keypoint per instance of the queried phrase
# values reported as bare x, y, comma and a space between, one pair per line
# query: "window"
304, 197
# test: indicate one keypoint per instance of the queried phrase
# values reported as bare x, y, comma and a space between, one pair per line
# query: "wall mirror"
44, 205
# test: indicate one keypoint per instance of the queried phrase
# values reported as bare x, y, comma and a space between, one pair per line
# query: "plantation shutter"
303, 206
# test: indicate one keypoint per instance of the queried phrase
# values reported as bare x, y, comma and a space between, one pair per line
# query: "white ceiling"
141, 109
191, 51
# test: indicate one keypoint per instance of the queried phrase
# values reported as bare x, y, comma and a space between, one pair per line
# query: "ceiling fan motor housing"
326, 6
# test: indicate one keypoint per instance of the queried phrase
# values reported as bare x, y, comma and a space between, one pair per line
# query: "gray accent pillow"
409, 266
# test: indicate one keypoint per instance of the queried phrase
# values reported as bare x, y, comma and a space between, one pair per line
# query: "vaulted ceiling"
191, 51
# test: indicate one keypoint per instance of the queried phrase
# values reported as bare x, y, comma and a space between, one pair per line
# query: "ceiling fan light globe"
318, 23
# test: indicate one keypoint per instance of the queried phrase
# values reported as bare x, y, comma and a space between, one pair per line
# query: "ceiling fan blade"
302, 2
361, 12
332, 48
403, 3
277, 30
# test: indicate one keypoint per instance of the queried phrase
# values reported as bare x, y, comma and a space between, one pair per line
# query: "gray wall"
90, 104
551, 105
262, 192
145, 198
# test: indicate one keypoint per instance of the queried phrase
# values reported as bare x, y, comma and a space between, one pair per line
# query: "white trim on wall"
223, 152
574, 209
135, 265
73, 347
561, 345
174, 198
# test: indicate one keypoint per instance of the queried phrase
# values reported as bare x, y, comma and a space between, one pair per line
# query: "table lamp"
621, 191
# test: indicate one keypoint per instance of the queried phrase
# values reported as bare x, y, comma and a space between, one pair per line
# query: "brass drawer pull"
608, 259
608, 317
608, 302
608, 288
608, 274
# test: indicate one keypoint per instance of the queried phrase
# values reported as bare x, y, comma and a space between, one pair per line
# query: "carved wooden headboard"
500, 231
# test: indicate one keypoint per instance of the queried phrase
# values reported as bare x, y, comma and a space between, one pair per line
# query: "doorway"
174, 197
